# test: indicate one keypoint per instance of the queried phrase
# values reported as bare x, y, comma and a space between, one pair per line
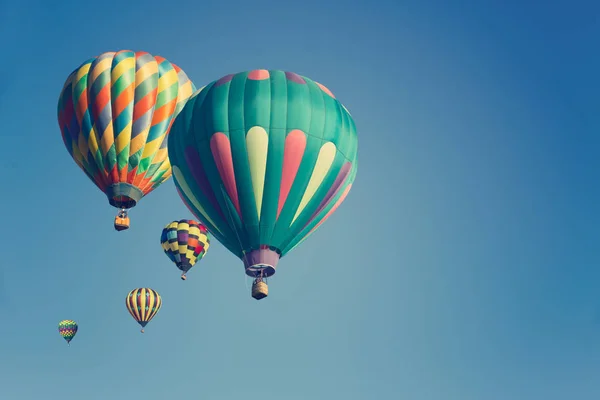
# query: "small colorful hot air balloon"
263, 158
143, 304
115, 112
185, 242
67, 329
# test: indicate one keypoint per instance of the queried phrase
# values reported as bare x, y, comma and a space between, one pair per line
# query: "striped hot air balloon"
185, 242
143, 304
263, 158
115, 112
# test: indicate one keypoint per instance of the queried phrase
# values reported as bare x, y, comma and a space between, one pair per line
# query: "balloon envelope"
185, 242
143, 304
67, 329
263, 158
115, 112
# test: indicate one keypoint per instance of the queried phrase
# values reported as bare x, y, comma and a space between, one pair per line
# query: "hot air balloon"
115, 112
185, 242
67, 329
143, 304
263, 158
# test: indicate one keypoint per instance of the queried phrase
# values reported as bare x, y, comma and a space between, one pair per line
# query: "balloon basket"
260, 290
121, 223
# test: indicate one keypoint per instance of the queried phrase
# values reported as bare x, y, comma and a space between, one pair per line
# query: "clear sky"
462, 266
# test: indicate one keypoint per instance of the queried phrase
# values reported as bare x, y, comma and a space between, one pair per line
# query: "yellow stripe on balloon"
188, 193
81, 106
168, 79
93, 143
166, 167
138, 142
183, 226
77, 156
83, 146
160, 156
257, 143
108, 138
125, 65
324, 162
100, 68
152, 146
189, 252
124, 138
164, 82
145, 72
140, 302
185, 91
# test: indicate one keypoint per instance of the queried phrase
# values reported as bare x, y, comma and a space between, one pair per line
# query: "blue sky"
463, 265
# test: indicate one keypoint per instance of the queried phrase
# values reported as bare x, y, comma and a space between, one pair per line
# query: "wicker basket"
260, 290
121, 223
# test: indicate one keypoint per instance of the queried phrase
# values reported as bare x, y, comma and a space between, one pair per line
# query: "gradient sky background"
463, 265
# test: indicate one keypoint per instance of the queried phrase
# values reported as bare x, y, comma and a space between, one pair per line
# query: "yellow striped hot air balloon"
115, 112
143, 305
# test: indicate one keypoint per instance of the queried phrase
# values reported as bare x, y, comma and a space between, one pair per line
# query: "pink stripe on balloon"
224, 80
336, 205
199, 174
333, 190
295, 78
295, 144
325, 89
259, 75
221, 151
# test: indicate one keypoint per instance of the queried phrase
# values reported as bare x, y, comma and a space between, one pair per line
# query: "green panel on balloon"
263, 158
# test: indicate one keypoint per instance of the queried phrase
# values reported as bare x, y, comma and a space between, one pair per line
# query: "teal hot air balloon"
263, 158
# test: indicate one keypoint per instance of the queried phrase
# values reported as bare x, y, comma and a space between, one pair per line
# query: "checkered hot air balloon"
115, 112
143, 305
263, 158
185, 242
67, 329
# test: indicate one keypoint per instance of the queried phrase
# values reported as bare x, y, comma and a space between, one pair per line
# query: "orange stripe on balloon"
99, 179
295, 144
221, 151
114, 174
131, 175
144, 104
137, 179
164, 112
123, 173
124, 99
140, 181
102, 99
82, 106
